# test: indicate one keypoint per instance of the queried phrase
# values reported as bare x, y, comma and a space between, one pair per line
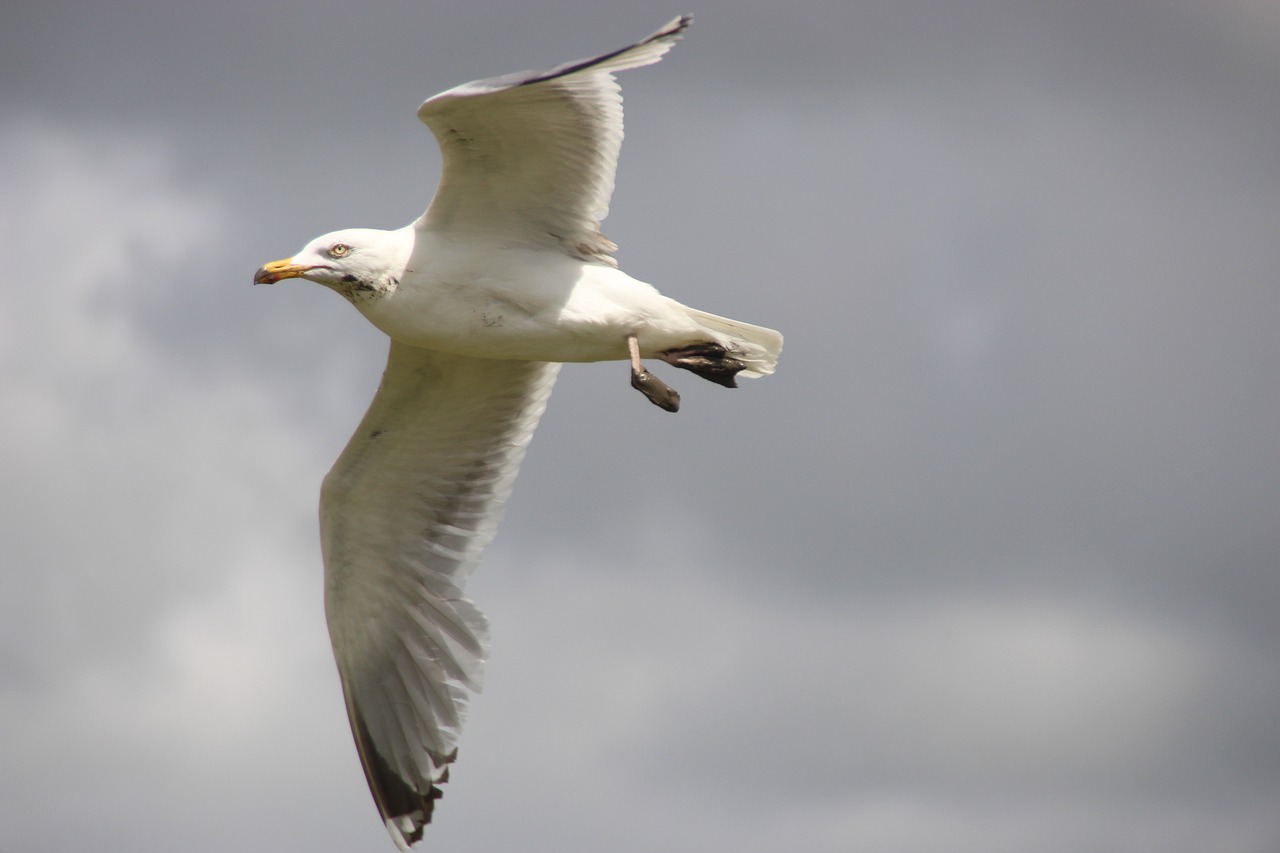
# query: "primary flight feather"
505, 276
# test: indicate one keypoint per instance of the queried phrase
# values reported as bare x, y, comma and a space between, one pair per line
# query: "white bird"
504, 276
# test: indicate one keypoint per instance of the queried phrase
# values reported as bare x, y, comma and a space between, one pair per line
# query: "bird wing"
532, 156
404, 514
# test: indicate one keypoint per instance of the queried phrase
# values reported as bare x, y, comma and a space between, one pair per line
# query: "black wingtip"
399, 803
676, 27
671, 32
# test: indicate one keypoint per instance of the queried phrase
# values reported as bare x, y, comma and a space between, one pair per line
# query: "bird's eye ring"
337, 250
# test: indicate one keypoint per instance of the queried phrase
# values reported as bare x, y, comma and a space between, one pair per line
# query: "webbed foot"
710, 361
659, 393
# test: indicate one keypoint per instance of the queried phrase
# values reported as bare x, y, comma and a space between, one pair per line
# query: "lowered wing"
404, 515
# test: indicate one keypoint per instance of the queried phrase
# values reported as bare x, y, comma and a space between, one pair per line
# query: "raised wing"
404, 514
532, 156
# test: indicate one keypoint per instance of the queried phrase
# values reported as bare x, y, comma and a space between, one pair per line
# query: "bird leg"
659, 393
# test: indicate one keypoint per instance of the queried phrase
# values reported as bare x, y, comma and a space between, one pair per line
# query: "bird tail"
755, 346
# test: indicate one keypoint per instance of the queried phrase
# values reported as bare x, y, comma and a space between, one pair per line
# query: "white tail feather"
756, 346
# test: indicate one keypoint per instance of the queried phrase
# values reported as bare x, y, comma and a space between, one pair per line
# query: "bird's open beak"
276, 270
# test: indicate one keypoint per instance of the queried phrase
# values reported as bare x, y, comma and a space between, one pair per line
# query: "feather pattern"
404, 515
530, 157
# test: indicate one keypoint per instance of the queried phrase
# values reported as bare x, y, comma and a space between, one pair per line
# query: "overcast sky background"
989, 565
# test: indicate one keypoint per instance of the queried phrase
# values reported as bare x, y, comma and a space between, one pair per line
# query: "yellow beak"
277, 270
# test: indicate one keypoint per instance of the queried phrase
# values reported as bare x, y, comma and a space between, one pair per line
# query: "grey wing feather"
533, 155
404, 515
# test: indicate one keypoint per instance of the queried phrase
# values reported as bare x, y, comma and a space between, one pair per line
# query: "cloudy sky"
991, 564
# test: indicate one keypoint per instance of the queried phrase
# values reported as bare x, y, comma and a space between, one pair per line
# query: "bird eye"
337, 250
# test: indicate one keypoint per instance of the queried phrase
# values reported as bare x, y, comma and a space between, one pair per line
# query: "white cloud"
161, 603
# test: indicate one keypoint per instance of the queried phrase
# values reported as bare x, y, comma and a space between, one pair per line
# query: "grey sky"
989, 565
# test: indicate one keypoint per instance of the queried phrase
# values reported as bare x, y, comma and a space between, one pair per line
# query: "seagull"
503, 278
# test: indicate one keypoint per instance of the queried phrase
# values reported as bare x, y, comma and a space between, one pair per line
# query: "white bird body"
503, 277
498, 299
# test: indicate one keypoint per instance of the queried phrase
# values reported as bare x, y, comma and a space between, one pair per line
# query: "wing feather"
404, 515
532, 156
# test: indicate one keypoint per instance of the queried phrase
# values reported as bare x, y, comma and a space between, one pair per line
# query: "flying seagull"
505, 276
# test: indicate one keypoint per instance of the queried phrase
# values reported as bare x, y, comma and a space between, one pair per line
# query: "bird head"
358, 262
